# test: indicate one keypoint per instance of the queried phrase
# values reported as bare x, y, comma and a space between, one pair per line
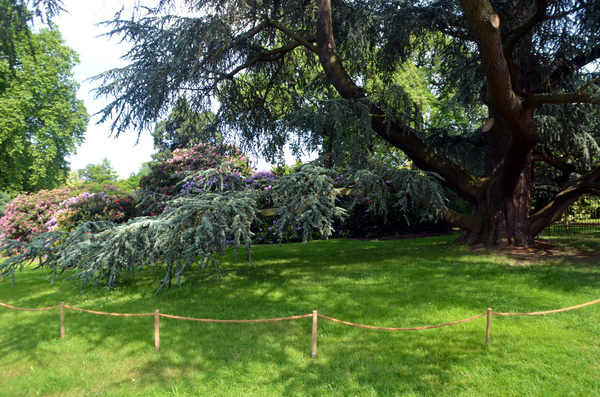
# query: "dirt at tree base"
542, 250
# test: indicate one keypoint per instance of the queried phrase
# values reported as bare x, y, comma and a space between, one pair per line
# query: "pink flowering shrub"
31, 213
64, 209
165, 176
117, 207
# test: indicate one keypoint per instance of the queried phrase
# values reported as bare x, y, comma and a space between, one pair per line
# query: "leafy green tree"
99, 173
184, 128
133, 181
4, 199
284, 70
15, 19
41, 120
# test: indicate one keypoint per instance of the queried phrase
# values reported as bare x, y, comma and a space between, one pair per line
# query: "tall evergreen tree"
532, 64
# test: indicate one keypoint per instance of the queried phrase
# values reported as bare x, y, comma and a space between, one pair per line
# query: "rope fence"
315, 315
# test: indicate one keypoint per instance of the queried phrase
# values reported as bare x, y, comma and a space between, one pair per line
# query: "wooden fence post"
489, 323
156, 330
62, 320
314, 334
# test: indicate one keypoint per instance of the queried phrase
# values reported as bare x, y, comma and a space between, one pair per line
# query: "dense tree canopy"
516, 113
41, 120
16, 17
304, 73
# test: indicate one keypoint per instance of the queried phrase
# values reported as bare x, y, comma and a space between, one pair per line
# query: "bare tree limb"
586, 184
306, 42
566, 68
245, 36
559, 97
261, 56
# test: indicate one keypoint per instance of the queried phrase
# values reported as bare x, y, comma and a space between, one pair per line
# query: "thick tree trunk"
500, 199
503, 202
504, 219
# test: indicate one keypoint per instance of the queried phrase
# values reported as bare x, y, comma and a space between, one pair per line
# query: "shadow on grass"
394, 284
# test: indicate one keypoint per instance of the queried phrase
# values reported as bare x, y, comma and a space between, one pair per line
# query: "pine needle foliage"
512, 78
198, 228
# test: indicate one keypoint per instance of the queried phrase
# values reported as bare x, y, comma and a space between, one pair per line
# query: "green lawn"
393, 284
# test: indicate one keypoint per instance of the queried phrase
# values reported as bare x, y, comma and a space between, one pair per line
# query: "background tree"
184, 128
531, 64
4, 199
41, 120
15, 19
133, 181
99, 173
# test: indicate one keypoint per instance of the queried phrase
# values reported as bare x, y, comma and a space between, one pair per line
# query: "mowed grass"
399, 283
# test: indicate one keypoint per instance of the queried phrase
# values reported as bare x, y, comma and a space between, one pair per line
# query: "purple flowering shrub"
165, 177
31, 213
261, 180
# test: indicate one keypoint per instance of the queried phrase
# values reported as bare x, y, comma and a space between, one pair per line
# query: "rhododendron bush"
85, 207
31, 213
206, 200
64, 209
166, 177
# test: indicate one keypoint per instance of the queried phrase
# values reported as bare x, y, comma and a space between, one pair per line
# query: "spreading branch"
306, 42
567, 67
561, 98
270, 55
587, 184
519, 33
401, 136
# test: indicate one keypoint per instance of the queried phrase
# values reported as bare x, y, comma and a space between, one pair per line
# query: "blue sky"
97, 54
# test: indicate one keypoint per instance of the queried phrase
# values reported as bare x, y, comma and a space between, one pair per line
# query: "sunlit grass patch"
402, 283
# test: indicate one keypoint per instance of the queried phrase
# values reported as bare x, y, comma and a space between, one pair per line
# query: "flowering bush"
260, 180
64, 209
165, 177
31, 213
118, 207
